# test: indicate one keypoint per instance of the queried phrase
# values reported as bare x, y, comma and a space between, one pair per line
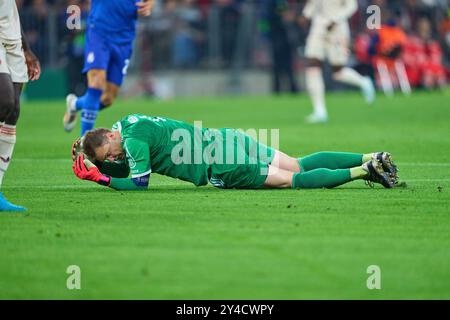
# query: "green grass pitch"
176, 241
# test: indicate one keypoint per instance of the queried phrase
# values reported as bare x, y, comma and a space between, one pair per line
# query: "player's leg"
278, 178
327, 178
324, 159
318, 178
107, 98
9, 114
7, 100
7, 134
255, 175
76, 103
117, 69
332, 160
285, 162
109, 95
97, 56
90, 102
338, 56
352, 77
13, 73
315, 85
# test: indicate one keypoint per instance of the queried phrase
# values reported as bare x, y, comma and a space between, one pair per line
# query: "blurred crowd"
415, 33
252, 33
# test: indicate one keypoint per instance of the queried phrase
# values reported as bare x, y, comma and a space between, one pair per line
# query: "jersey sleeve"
138, 157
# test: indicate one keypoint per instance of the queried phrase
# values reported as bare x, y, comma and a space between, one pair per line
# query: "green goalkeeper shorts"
249, 166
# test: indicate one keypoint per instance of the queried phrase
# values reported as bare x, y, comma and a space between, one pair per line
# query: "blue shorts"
105, 55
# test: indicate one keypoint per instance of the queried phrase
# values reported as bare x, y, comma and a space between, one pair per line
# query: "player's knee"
97, 83
96, 80
278, 178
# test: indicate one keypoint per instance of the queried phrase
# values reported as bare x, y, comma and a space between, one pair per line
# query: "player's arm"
86, 170
33, 64
145, 7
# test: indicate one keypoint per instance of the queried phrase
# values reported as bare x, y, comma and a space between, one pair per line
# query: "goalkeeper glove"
86, 170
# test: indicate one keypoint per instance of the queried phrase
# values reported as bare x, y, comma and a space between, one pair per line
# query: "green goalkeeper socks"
321, 178
330, 160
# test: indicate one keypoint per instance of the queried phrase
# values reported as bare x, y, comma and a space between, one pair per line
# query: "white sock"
349, 76
7, 142
316, 89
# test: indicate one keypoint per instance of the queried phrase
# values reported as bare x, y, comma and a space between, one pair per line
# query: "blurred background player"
18, 64
423, 58
110, 34
273, 26
387, 46
329, 38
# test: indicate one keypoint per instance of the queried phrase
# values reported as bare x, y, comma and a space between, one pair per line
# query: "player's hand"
92, 174
76, 149
33, 64
145, 7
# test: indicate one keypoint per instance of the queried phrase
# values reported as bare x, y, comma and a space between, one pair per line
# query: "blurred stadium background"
218, 47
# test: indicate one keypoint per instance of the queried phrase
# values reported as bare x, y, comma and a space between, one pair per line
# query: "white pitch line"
71, 187
424, 164
427, 180
41, 160
59, 187
47, 187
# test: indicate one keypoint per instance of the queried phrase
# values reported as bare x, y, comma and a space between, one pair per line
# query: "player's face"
112, 150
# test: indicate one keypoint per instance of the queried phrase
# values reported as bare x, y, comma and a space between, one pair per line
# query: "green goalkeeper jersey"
155, 144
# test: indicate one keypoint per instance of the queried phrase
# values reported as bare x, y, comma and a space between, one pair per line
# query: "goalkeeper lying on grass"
227, 158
